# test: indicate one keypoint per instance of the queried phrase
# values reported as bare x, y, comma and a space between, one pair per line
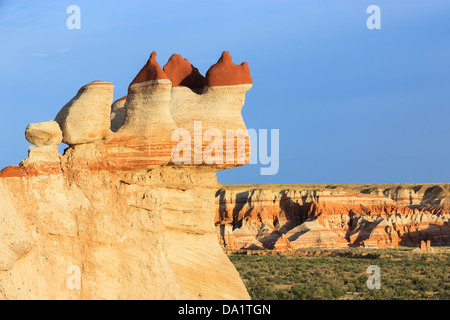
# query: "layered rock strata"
283, 217
115, 217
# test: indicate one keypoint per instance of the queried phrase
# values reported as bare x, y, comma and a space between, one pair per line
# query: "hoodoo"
114, 217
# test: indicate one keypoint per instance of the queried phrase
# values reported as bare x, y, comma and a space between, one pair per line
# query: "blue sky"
353, 105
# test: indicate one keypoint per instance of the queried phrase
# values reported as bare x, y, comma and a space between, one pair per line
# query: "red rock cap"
151, 71
182, 73
226, 73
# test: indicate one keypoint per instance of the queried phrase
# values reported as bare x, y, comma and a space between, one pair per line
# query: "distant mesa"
284, 217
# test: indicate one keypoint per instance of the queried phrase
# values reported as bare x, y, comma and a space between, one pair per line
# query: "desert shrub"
404, 275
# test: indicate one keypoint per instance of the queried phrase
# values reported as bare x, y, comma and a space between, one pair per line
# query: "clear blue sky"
353, 105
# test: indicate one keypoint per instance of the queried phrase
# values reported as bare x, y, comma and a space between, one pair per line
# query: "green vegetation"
341, 274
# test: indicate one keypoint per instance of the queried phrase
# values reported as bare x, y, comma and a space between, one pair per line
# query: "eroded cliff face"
116, 207
283, 217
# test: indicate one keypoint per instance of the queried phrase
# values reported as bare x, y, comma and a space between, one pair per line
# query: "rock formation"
44, 133
118, 113
284, 217
85, 118
183, 74
115, 217
425, 246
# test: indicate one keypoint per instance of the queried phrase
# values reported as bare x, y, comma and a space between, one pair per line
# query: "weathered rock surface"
44, 133
86, 118
213, 123
226, 73
284, 217
118, 113
114, 206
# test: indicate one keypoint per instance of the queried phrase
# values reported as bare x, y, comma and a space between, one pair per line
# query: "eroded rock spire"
151, 71
115, 206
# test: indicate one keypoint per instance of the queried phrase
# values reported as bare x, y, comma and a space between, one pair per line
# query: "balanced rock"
44, 133
86, 118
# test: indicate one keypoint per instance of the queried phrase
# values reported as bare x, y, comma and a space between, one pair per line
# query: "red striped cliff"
332, 216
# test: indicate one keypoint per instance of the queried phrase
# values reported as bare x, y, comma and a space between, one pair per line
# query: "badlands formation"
114, 217
133, 209
284, 217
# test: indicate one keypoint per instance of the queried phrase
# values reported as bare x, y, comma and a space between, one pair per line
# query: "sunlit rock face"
127, 212
44, 133
85, 118
284, 217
